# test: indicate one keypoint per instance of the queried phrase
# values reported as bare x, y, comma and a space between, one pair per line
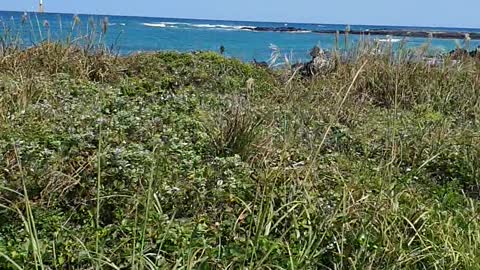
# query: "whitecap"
300, 31
221, 27
176, 23
389, 40
242, 27
161, 25
204, 25
212, 26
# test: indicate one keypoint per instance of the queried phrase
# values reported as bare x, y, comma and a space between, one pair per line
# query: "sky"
460, 13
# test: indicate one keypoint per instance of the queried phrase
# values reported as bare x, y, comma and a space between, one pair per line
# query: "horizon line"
230, 20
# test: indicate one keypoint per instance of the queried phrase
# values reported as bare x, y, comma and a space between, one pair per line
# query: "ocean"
132, 34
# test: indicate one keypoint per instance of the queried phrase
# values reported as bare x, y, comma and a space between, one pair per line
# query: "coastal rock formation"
462, 53
379, 32
274, 29
262, 64
321, 63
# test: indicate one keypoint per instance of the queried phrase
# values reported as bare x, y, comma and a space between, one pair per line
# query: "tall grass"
190, 161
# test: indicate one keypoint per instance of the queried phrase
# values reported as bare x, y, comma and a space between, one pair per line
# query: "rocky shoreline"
323, 62
379, 32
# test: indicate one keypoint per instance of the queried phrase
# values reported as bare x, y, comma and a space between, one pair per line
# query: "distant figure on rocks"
222, 50
320, 63
262, 64
315, 52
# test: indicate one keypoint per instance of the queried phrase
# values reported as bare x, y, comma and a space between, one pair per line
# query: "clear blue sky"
462, 13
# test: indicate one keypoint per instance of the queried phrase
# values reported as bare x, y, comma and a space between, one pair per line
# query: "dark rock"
458, 54
315, 52
321, 63
274, 29
475, 53
379, 32
260, 64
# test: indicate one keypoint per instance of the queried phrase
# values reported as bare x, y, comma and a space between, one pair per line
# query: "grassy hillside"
194, 161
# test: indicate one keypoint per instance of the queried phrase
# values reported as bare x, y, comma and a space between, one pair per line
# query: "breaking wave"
300, 31
115, 24
389, 40
220, 26
161, 25
192, 25
215, 27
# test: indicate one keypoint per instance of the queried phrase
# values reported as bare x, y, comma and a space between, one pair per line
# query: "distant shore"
398, 33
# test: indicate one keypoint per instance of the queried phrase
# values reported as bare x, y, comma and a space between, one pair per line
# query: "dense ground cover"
195, 161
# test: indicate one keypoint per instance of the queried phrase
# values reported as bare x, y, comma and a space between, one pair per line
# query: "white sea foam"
175, 23
220, 26
389, 40
207, 26
114, 24
300, 31
161, 25
191, 25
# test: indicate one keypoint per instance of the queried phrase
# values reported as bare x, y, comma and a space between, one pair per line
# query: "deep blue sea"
132, 34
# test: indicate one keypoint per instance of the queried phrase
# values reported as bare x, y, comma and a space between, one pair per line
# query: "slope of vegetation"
195, 161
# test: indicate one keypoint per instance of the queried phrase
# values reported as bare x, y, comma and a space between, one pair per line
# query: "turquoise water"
132, 34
